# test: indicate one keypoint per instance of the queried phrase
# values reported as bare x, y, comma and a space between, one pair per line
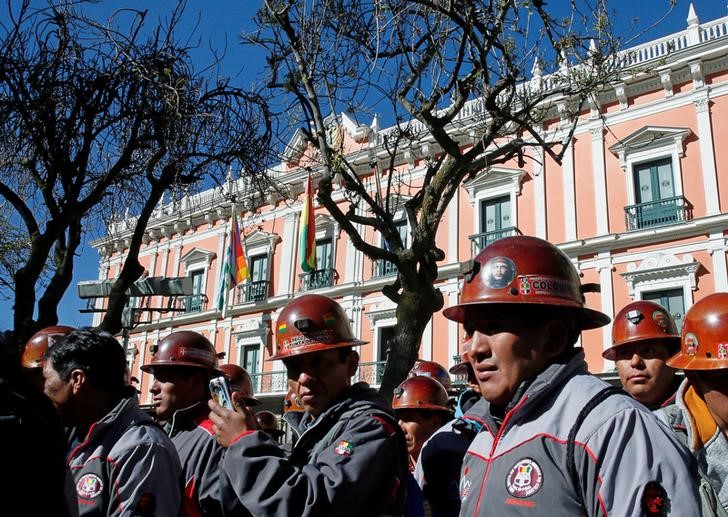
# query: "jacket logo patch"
89, 486
524, 479
344, 448
465, 484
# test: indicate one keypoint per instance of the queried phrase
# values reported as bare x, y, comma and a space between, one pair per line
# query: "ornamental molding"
386, 310
495, 177
661, 268
650, 138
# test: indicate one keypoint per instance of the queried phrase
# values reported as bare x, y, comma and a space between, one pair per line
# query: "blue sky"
220, 23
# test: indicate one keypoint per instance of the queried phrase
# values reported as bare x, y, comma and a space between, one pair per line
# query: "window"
257, 289
384, 267
385, 335
195, 302
197, 265
324, 260
495, 220
249, 355
493, 192
651, 159
656, 202
672, 299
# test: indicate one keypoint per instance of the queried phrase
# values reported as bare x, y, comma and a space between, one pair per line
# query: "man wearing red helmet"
700, 415
35, 349
553, 441
350, 457
644, 335
438, 467
183, 364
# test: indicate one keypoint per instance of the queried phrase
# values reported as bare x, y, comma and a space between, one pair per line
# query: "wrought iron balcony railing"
317, 279
666, 211
195, 303
270, 382
254, 291
382, 268
481, 240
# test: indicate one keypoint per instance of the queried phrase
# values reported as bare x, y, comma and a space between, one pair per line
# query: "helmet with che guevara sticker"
525, 270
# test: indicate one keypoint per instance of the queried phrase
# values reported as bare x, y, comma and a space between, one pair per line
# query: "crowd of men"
532, 432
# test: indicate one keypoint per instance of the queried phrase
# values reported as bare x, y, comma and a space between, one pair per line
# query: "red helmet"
461, 368
525, 270
268, 422
642, 321
420, 393
183, 348
433, 370
311, 323
704, 341
291, 403
39, 343
239, 380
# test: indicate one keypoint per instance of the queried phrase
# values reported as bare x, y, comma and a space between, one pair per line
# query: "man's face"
319, 378
177, 388
59, 391
417, 428
643, 372
505, 350
499, 270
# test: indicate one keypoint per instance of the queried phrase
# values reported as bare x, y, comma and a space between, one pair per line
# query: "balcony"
382, 268
664, 212
194, 303
254, 291
317, 279
266, 383
270, 382
481, 240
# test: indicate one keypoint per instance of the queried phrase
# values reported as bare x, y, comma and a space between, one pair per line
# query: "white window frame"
662, 271
492, 183
199, 259
650, 144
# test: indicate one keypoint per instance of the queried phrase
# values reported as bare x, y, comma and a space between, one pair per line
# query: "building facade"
640, 204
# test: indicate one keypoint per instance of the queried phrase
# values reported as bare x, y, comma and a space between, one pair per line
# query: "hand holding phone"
221, 392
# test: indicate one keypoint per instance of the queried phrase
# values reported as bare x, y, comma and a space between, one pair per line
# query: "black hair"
98, 354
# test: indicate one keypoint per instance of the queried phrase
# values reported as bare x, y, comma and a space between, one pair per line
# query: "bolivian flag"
307, 232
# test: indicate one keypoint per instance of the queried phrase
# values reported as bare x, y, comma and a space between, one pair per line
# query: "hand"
228, 424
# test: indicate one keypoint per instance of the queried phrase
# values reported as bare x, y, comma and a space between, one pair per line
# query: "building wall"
678, 113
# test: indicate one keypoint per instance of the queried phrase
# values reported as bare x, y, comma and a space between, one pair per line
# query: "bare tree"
97, 117
469, 83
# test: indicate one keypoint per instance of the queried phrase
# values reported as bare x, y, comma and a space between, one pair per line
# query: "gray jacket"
126, 465
191, 432
712, 458
352, 460
624, 457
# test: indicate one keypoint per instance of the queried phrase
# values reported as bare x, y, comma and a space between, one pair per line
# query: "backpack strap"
571, 440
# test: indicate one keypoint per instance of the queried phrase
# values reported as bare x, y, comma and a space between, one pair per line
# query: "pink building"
640, 204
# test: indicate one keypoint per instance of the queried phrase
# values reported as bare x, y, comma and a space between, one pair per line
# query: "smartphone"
221, 392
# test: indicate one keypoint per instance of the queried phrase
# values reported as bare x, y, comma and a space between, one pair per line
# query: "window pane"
259, 268
664, 176
250, 358
323, 254
196, 281
495, 214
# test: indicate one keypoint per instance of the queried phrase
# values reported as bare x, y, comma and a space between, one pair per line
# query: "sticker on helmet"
534, 285
499, 272
282, 328
524, 479
89, 486
203, 355
329, 319
660, 319
691, 344
722, 350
